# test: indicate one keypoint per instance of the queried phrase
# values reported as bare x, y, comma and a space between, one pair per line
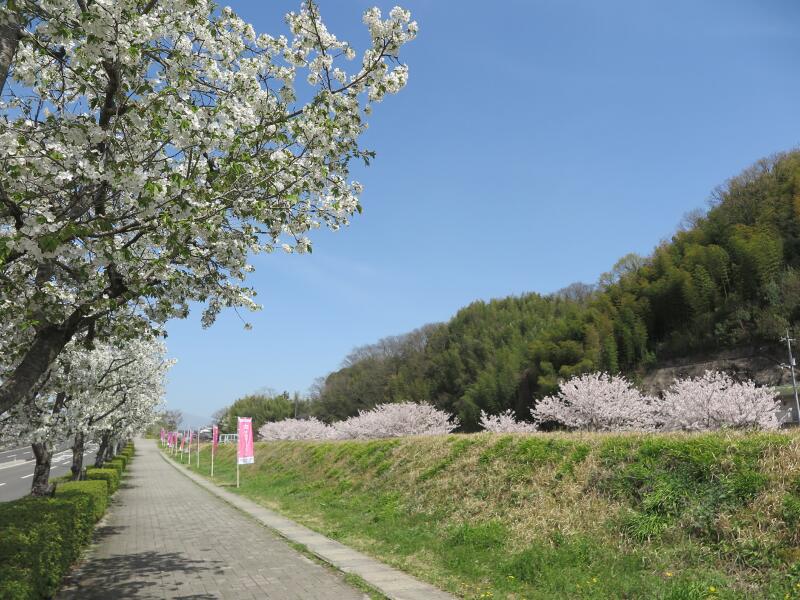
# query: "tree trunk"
41, 485
45, 348
102, 450
77, 457
9, 40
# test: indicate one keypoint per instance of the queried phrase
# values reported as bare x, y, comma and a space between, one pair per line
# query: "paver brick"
165, 537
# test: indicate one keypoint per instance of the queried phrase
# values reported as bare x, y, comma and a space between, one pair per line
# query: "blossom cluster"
384, 421
111, 390
599, 402
296, 429
714, 400
505, 422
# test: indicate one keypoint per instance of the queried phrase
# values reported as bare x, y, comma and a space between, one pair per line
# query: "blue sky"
537, 141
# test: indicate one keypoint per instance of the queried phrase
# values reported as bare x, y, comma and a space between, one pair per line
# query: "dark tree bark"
47, 344
77, 456
41, 485
102, 450
9, 41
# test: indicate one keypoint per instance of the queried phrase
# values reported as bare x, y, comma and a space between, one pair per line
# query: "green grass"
673, 517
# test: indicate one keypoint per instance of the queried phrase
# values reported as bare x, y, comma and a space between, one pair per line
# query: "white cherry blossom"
148, 148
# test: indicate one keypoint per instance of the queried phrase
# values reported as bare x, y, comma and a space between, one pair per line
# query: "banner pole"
237, 472
212, 460
198, 449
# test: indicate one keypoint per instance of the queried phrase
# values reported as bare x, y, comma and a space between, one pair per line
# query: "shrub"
115, 464
396, 420
714, 400
110, 476
598, 402
96, 490
123, 459
41, 539
505, 422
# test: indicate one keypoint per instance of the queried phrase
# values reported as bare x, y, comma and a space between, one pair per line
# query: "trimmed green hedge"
96, 490
110, 476
116, 465
121, 458
41, 539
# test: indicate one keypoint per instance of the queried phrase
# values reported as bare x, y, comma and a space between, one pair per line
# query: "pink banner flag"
162, 435
215, 436
190, 437
183, 439
245, 454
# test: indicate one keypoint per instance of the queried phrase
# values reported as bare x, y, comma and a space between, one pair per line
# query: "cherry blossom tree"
396, 420
105, 392
383, 421
505, 422
714, 400
598, 402
148, 147
296, 429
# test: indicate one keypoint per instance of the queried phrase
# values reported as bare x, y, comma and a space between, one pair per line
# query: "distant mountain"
194, 421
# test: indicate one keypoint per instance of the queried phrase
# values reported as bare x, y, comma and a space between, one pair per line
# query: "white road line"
26, 476
2, 484
16, 464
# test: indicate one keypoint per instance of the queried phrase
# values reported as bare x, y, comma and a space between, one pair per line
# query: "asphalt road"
16, 468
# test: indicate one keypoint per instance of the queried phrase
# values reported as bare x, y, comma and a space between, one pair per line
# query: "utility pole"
789, 341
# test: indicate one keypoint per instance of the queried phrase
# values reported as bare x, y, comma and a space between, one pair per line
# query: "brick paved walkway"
165, 537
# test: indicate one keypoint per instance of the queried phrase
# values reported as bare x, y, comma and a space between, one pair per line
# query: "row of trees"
95, 391
589, 402
147, 149
599, 402
262, 407
383, 421
728, 277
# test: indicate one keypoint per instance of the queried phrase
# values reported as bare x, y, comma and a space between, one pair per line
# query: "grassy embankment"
551, 515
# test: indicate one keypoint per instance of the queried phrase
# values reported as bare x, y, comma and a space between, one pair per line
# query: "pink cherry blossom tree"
505, 422
714, 400
598, 402
396, 420
296, 429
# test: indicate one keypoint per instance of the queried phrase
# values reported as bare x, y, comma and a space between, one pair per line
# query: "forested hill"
727, 278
